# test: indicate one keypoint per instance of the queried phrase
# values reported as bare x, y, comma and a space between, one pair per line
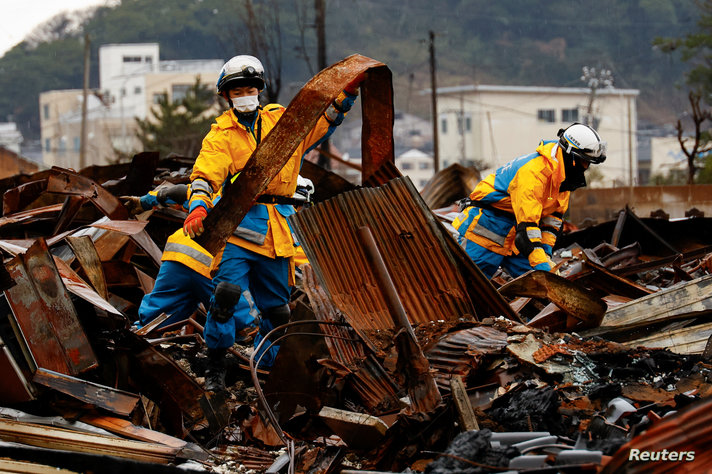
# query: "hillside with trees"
515, 42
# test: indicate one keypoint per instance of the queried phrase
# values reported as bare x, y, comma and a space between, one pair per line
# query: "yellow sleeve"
213, 162
527, 192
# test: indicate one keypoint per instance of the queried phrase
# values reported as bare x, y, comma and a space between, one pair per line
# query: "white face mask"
246, 103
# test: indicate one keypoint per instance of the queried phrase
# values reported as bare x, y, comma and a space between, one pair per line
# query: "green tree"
178, 127
705, 173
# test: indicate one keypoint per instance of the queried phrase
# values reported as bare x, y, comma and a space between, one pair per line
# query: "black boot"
215, 373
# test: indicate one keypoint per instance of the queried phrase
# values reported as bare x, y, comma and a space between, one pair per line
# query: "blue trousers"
268, 282
489, 261
178, 291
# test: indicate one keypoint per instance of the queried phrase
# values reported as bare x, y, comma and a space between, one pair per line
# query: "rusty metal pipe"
393, 302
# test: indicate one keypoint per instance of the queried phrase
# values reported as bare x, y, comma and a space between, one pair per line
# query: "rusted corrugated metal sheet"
423, 271
367, 377
450, 185
457, 353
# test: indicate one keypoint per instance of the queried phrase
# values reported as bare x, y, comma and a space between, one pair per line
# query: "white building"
486, 126
417, 165
10, 136
132, 78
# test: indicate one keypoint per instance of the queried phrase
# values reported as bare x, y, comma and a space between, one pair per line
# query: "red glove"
193, 225
352, 87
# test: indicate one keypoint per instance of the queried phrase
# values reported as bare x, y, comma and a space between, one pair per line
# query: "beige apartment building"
487, 126
132, 78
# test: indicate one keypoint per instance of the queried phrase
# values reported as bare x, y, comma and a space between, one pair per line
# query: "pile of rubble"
400, 355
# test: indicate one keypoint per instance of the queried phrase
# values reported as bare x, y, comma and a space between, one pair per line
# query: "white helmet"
241, 71
305, 188
583, 142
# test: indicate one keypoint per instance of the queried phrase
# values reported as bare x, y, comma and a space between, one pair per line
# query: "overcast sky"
19, 17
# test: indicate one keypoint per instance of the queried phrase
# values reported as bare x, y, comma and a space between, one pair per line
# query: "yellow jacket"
527, 189
225, 152
181, 248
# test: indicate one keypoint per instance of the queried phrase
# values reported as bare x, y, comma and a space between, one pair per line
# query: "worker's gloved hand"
193, 225
132, 204
539, 260
352, 87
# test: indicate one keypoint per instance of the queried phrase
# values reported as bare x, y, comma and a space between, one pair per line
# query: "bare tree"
594, 79
260, 35
700, 140
301, 16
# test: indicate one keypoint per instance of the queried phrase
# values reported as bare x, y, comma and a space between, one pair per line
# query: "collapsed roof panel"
421, 266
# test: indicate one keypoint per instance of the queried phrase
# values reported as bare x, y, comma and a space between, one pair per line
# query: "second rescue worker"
514, 215
259, 255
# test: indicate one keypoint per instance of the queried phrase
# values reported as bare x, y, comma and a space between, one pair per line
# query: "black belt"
270, 199
492, 209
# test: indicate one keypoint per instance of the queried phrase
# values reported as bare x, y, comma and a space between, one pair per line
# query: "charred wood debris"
400, 357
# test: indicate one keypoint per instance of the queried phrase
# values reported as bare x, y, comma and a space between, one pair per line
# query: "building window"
406, 166
545, 115
424, 165
423, 182
45, 111
464, 125
48, 145
62, 149
137, 90
443, 126
123, 92
132, 59
148, 59
178, 91
77, 144
158, 98
569, 115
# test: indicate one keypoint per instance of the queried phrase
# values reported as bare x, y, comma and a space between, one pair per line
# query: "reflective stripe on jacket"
225, 152
527, 190
181, 248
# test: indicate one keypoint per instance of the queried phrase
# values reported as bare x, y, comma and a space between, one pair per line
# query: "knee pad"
277, 316
223, 302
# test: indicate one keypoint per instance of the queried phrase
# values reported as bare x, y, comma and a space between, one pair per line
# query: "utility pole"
320, 20
85, 96
434, 102
461, 129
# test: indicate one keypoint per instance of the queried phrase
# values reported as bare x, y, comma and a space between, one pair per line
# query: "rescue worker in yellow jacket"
513, 216
259, 255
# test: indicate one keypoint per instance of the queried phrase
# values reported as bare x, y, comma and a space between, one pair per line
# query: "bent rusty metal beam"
297, 121
70, 208
136, 231
565, 294
88, 259
65, 182
664, 243
81, 289
423, 392
45, 315
16, 199
112, 399
604, 278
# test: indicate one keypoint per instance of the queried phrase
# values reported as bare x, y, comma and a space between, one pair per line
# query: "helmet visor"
596, 156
